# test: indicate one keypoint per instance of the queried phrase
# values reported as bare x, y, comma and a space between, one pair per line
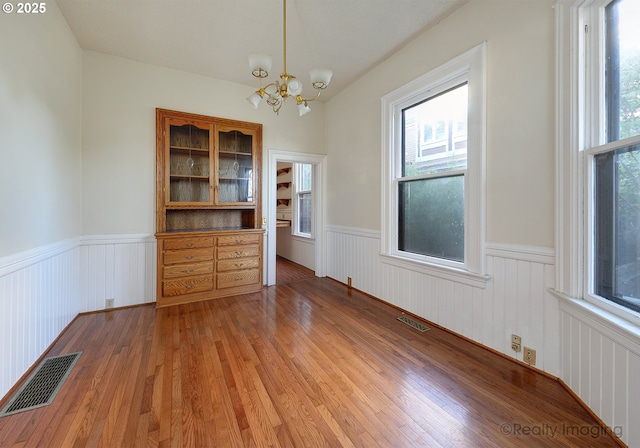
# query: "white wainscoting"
38, 299
42, 290
601, 364
119, 267
515, 299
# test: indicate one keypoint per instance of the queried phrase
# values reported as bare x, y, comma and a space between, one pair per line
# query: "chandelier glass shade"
277, 92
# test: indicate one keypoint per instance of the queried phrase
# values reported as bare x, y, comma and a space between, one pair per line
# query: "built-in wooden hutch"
208, 208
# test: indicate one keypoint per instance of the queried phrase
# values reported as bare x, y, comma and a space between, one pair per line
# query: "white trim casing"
580, 118
319, 217
569, 103
472, 66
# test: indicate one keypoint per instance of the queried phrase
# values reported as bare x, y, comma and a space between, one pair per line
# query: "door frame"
319, 219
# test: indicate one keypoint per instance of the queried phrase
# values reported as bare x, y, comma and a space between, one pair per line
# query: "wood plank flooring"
287, 271
304, 364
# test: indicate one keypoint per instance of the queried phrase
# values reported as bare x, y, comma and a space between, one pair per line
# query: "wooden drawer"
233, 252
239, 239
236, 265
187, 243
238, 278
187, 285
181, 270
187, 256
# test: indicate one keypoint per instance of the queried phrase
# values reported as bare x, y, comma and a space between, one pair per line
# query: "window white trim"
471, 67
580, 136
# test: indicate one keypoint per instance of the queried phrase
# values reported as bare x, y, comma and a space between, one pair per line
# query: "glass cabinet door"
235, 167
189, 163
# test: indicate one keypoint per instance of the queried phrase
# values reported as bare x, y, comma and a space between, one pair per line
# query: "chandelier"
277, 92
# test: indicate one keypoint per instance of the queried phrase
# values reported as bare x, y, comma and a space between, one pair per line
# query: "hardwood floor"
287, 271
304, 364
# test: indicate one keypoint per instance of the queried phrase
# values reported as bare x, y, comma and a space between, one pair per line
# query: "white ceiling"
214, 37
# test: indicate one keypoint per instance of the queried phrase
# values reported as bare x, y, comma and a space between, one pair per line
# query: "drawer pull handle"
189, 244
188, 271
188, 257
239, 265
189, 285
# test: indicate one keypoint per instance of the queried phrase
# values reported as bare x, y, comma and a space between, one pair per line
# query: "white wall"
40, 186
40, 125
520, 109
119, 101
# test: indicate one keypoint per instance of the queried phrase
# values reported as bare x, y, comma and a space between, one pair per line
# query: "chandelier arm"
274, 84
299, 98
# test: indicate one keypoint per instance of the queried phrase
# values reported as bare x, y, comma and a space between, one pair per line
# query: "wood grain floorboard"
287, 271
303, 364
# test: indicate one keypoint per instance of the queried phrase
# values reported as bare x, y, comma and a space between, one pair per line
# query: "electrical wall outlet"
349, 282
516, 342
529, 356
109, 303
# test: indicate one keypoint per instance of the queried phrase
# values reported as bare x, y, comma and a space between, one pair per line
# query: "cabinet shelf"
283, 185
235, 178
233, 153
282, 171
185, 149
188, 177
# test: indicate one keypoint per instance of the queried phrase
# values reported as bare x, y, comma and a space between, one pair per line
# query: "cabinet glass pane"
235, 167
189, 176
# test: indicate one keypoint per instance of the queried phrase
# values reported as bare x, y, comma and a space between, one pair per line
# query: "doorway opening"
306, 236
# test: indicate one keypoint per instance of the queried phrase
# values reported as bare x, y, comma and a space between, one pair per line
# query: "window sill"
444, 272
304, 238
617, 328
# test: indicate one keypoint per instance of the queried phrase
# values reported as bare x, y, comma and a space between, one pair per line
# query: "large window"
616, 166
433, 167
612, 154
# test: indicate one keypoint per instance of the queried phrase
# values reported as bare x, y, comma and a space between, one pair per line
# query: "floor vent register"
42, 386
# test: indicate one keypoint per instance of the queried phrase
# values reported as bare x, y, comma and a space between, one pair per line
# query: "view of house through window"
617, 171
431, 189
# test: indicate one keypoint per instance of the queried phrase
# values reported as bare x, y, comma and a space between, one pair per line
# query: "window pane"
305, 176
442, 146
431, 218
623, 69
304, 212
617, 226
